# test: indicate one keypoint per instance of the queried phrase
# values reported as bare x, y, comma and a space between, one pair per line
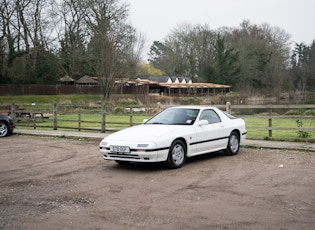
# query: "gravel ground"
50, 183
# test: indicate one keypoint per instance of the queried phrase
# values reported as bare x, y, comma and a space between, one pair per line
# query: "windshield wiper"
155, 123
178, 124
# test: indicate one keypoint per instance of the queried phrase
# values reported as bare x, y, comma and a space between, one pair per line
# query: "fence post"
54, 116
131, 110
79, 122
103, 128
12, 115
270, 122
228, 107
34, 120
33, 115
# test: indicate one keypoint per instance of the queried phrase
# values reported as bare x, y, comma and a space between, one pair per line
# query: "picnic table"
23, 114
31, 115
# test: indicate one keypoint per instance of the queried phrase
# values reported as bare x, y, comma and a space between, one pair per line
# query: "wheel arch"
232, 148
183, 140
177, 158
6, 122
238, 133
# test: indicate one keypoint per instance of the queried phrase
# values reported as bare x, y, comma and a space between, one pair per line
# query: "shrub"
119, 110
128, 102
293, 113
302, 133
309, 113
191, 100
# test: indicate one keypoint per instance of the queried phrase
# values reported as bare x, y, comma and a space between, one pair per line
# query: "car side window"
210, 116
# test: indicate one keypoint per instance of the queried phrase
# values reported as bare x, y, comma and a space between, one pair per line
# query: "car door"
210, 137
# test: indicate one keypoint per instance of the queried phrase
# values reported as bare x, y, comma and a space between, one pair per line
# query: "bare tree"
185, 52
23, 35
263, 55
303, 66
72, 38
113, 42
7, 34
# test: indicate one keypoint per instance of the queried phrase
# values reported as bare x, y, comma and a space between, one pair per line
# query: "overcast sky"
156, 18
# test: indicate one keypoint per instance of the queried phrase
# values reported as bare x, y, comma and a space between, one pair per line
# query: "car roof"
194, 107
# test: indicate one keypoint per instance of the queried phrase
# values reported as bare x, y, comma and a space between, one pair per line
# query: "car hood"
145, 132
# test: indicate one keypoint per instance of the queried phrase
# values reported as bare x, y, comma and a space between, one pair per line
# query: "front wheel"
177, 155
4, 129
233, 144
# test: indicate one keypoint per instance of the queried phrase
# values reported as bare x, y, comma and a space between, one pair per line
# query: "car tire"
4, 129
177, 155
233, 144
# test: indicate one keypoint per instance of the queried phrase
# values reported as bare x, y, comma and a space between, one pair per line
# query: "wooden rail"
50, 116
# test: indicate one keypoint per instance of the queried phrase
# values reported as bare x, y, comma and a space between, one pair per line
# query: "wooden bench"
22, 113
31, 115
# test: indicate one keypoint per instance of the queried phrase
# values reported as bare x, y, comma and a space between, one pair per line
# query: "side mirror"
145, 120
203, 122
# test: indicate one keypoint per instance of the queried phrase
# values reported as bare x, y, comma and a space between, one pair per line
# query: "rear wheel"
4, 129
233, 144
177, 155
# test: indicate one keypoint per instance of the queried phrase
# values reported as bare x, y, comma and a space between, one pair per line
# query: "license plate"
119, 149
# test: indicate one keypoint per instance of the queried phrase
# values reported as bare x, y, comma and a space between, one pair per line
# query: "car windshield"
175, 116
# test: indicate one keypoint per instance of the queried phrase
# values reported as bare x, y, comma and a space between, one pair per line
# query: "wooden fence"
99, 118
272, 113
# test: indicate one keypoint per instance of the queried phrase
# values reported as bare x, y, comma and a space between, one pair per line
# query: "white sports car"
175, 134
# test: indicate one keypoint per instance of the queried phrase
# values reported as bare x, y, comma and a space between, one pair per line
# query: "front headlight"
103, 143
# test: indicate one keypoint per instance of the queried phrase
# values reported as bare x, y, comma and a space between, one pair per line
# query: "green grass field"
118, 122
91, 116
277, 123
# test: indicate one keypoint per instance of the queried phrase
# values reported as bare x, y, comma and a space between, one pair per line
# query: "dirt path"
49, 183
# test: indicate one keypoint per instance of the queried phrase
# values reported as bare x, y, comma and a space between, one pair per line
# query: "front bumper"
136, 155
